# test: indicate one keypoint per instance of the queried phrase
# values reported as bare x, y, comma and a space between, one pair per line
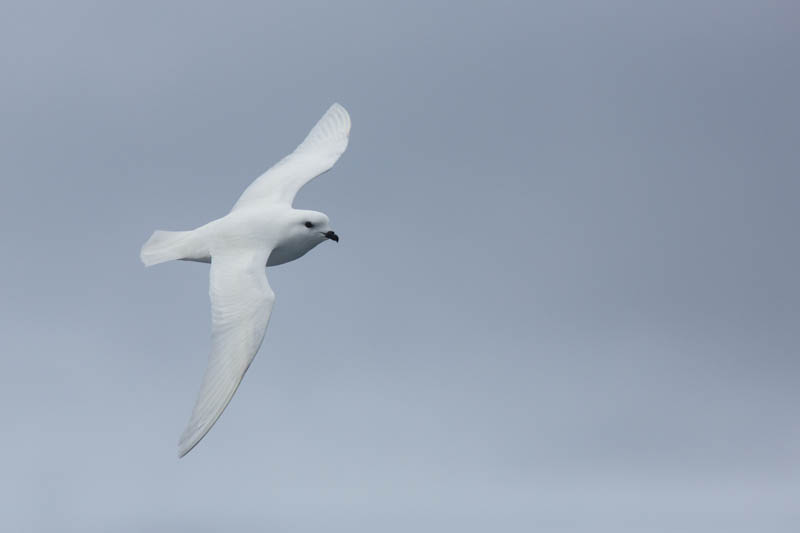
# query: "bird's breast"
289, 251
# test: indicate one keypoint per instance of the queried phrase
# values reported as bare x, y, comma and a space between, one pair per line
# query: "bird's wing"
241, 304
320, 150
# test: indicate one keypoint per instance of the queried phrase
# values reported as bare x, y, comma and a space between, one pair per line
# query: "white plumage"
262, 228
318, 152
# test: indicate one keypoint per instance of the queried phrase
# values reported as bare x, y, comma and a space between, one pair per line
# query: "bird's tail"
165, 246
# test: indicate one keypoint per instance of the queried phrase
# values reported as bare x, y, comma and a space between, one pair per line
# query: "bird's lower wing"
241, 304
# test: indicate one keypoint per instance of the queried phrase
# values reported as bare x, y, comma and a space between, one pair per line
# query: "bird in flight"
262, 229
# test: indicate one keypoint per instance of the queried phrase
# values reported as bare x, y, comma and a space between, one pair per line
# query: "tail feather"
165, 246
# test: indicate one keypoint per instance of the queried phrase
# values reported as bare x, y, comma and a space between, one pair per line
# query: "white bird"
262, 229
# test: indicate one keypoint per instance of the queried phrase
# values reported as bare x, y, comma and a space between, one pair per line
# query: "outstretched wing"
320, 150
241, 304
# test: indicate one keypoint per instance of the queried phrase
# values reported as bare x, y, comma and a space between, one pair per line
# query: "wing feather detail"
241, 304
318, 152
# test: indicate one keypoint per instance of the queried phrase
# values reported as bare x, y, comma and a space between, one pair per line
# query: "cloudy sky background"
565, 297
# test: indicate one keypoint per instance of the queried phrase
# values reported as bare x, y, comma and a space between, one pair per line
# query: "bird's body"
262, 229
249, 228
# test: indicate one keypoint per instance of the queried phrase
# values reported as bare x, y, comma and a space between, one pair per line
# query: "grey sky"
565, 297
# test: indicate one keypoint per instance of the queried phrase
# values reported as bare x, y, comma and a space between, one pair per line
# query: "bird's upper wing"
241, 304
320, 150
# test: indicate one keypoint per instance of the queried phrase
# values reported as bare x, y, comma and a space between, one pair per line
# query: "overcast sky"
565, 298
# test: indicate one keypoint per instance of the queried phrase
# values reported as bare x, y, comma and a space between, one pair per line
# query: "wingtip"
188, 440
338, 108
184, 447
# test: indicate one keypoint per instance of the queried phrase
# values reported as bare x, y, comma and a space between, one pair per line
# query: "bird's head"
312, 226
300, 232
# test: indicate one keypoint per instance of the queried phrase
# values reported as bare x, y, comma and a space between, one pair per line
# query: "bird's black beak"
332, 236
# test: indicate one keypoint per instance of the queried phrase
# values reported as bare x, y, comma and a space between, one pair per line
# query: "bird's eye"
309, 225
